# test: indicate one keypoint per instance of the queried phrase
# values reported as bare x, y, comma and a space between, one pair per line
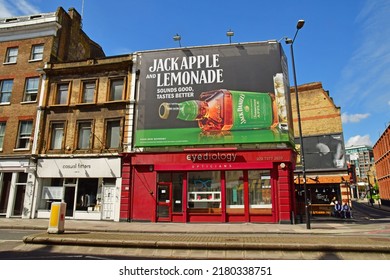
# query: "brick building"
382, 164
322, 132
26, 44
82, 114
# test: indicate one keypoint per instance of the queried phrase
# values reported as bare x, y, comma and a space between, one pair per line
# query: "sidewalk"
331, 235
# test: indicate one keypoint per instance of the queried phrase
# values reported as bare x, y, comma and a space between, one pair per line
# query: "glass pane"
204, 192
84, 135
116, 90
37, 52
88, 92
57, 134
86, 194
259, 182
31, 89
6, 90
113, 134
235, 192
62, 94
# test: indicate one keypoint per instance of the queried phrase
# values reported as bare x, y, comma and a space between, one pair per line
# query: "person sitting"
346, 211
337, 209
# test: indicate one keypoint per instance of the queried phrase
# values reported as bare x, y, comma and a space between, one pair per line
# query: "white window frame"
31, 90
11, 56
37, 52
4, 91
24, 137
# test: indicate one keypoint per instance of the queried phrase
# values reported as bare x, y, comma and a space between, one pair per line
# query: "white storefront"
17, 179
89, 186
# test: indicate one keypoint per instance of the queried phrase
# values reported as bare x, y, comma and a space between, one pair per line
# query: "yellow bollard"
57, 217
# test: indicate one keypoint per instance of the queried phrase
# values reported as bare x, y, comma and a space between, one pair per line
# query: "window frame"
34, 53
111, 92
84, 85
106, 134
51, 147
8, 56
56, 98
3, 126
91, 133
24, 138
33, 91
2, 91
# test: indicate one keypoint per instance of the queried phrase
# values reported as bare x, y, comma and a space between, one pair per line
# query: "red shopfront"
209, 185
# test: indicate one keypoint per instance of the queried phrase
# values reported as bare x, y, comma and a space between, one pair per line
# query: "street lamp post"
291, 43
177, 38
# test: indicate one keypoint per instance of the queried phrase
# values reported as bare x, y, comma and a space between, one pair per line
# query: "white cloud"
359, 140
354, 118
16, 7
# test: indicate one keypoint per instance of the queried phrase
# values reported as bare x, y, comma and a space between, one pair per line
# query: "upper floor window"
37, 52
24, 136
31, 89
12, 55
6, 90
113, 134
116, 89
84, 135
56, 135
2, 133
88, 92
62, 94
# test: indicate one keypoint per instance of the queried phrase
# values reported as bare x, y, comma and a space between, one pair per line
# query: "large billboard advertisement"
225, 94
323, 152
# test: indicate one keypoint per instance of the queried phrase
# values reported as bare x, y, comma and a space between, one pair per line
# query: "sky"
345, 44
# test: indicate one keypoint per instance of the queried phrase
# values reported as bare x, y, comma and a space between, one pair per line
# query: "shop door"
69, 198
164, 205
4, 192
108, 202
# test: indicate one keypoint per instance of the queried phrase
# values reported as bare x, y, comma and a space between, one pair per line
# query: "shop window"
5, 189
62, 94
12, 55
88, 92
87, 194
113, 134
204, 192
5, 91
234, 192
260, 194
31, 90
84, 135
37, 52
24, 136
2, 133
116, 89
56, 135
52, 191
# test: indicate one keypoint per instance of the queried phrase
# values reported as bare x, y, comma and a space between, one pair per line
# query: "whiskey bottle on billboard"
224, 110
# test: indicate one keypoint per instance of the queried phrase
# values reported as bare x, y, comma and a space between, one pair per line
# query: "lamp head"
177, 37
300, 24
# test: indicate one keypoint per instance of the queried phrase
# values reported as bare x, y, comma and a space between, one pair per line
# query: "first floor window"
24, 136
84, 135
113, 134
57, 135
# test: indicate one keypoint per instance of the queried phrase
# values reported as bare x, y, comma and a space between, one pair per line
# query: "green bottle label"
188, 110
251, 110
